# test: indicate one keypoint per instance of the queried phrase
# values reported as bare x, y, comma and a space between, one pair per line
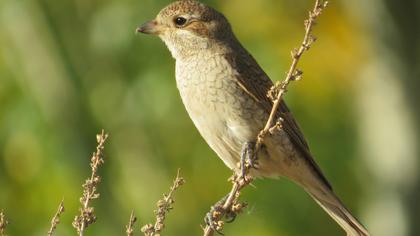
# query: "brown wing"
256, 83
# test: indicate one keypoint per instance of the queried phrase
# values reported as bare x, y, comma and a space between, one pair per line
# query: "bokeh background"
69, 68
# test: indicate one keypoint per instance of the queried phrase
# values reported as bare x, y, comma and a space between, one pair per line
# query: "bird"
224, 91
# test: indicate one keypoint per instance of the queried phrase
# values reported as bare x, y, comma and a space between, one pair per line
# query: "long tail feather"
336, 209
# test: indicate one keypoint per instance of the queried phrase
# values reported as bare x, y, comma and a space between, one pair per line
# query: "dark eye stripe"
180, 21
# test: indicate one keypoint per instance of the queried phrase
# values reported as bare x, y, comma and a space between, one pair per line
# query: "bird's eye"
180, 21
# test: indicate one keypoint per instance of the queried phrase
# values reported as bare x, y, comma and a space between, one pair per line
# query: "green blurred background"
69, 68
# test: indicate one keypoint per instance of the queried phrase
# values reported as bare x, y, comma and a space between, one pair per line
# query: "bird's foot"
248, 158
213, 218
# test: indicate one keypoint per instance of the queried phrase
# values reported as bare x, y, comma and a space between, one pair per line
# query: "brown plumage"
225, 93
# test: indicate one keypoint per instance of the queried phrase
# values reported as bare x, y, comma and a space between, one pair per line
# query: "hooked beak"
150, 27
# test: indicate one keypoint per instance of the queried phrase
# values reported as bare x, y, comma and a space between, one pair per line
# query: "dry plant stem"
3, 223
130, 226
56, 219
276, 94
294, 73
87, 214
164, 206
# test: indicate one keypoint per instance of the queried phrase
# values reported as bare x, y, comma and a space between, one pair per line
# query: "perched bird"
224, 91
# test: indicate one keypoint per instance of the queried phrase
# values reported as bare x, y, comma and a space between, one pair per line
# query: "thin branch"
130, 226
87, 213
3, 223
56, 219
276, 93
164, 206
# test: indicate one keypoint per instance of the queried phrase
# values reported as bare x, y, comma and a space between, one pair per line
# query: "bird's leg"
248, 157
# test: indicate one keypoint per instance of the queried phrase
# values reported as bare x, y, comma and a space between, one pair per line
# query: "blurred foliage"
69, 68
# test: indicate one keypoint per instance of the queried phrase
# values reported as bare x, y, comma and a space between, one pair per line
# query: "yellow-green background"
69, 68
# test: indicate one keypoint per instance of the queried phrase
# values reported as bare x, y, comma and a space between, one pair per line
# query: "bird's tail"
336, 209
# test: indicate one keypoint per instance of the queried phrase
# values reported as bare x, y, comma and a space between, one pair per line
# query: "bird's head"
188, 27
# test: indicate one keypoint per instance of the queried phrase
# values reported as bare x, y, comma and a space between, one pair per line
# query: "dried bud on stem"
87, 213
164, 205
130, 226
56, 219
3, 223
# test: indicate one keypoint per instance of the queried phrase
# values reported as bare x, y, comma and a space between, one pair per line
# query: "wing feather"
256, 83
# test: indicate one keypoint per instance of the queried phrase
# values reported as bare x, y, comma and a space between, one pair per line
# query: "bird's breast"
224, 114
209, 87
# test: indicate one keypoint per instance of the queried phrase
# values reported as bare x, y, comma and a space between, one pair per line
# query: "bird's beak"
150, 27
